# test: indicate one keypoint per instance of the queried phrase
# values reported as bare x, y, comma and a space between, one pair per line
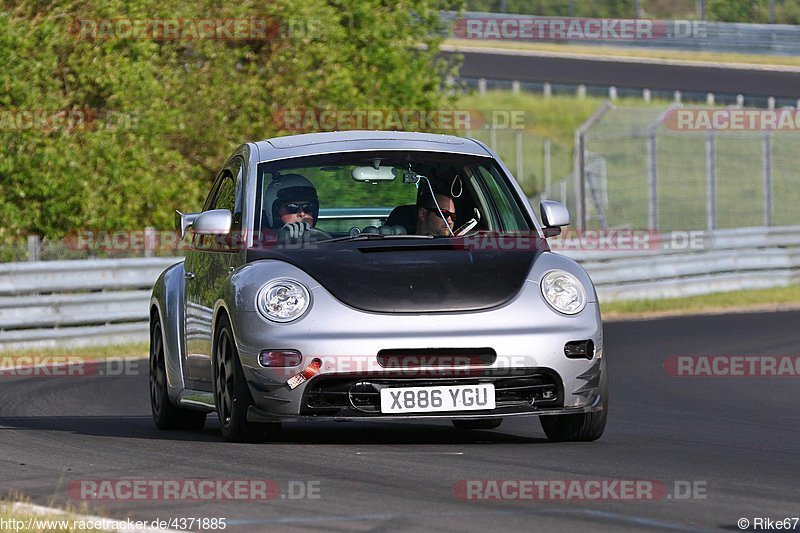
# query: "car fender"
167, 299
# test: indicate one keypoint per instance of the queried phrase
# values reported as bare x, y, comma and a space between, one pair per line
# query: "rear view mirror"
183, 221
372, 174
214, 222
554, 215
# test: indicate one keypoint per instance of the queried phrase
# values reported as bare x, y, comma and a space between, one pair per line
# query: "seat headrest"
404, 215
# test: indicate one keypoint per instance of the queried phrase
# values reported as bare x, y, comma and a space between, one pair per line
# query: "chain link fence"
639, 173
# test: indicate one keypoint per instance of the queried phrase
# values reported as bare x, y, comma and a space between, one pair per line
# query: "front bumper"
526, 392
531, 391
254, 414
527, 337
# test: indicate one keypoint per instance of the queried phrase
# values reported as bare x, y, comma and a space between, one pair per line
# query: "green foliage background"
177, 109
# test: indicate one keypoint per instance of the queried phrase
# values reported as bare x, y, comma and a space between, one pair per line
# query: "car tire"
165, 414
483, 423
581, 427
231, 395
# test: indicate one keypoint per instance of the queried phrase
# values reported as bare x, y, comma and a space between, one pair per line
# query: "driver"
429, 219
292, 206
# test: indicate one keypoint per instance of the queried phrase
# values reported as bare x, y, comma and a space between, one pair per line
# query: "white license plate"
443, 398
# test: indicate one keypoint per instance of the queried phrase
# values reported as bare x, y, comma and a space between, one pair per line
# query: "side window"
511, 217
229, 192
226, 194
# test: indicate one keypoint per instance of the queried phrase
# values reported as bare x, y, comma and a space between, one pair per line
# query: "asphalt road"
499, 66
736, 437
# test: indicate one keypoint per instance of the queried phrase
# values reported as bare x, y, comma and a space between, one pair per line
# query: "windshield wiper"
368, 236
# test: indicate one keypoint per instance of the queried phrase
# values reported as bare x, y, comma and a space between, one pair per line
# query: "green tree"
167, 113
738, 10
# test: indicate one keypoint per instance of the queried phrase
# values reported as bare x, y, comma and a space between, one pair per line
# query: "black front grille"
435, 357
525, 389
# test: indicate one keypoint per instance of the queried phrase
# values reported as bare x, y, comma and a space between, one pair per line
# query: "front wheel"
231, 395
580, 426
165, 414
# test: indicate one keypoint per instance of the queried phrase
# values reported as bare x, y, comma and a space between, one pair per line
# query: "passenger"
429, 219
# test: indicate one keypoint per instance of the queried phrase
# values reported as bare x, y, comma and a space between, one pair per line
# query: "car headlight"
563, 292
283, 300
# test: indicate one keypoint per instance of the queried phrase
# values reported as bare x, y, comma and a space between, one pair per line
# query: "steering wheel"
315, 234
309, 235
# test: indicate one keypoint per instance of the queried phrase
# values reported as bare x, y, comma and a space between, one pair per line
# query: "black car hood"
395, 276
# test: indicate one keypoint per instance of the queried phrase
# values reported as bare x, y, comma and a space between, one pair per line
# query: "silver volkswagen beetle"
374, 276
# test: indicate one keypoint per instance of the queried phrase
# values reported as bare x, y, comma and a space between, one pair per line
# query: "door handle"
189, 275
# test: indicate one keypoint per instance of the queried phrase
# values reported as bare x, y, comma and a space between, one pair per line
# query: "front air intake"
436, 357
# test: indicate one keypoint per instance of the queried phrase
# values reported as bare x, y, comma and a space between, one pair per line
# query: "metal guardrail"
732, 259
76, 303
713, 37
95, 302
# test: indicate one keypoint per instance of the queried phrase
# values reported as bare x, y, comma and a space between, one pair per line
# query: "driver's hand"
295, 230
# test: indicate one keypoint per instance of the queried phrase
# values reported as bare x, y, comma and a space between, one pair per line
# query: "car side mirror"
554, 216
214, 222
184, 221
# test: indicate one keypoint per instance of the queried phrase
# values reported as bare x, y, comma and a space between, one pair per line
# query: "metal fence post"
34, 248
579, 168
520, 167
579, 161
711, 196
767, 166
652, 169
652, 182
548, 177
149, 241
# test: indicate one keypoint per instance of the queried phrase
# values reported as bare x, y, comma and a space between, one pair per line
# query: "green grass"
60, 523
91, 352
71, 513
779, 297
555, 118
620, 140
682, 182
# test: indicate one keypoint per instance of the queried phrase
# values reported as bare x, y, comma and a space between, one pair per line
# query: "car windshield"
388, 195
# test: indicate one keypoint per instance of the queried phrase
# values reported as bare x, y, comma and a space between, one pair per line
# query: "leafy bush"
160, 117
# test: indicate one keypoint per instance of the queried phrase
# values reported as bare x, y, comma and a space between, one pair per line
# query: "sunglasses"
295, 207
447, 214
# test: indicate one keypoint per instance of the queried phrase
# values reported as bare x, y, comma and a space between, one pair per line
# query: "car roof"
357, 140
